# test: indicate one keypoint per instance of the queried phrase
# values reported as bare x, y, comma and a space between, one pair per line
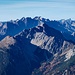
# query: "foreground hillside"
40, 50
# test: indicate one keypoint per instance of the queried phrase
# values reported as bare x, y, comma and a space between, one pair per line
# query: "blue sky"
52, 9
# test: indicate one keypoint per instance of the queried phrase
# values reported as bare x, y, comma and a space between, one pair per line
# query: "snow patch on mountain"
69, 54
73, 34
73, 24
5, 26
3, 29
0, 24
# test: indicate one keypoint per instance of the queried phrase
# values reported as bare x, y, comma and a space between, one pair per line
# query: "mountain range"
13, 27
37, 46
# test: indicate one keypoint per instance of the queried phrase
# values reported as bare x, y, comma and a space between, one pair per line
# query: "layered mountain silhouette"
36, 46
13, 27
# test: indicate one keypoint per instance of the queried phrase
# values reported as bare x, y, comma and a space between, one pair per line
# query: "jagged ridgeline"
37, 46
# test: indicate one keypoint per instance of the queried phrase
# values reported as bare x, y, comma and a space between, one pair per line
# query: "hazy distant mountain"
37, 47
13, 27
66, 27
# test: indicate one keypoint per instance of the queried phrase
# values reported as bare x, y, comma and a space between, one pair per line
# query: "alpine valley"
37, 46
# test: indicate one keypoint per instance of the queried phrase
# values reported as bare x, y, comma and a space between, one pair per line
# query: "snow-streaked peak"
40, 23
62, 21
69, 20
5, 26
3, 29
14, 21
1, 24
23, 18
73, 34
73, 24
38, 18
69, 54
